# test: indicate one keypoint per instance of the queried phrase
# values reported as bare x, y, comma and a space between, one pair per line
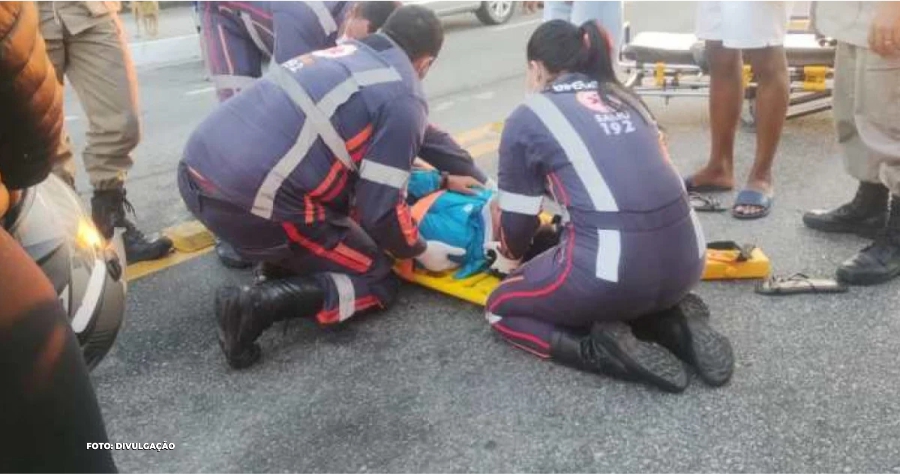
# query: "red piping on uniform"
520, 335
332, 316
342, 181
247, 6
562, 191
320, 251
329, 178
527, 349
548, 289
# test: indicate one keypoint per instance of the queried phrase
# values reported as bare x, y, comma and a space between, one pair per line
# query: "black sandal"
704, 203
799, 283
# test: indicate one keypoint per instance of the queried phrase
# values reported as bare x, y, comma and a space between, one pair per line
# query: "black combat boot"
242, 314
265, 271
865, 215
229, 256
611, 349
880, 261
108, 210
685, 331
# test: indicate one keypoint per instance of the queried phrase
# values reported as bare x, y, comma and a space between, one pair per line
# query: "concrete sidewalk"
176, 42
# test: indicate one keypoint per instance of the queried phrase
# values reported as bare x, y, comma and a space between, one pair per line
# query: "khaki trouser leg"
853, 150
877, 114
102, 74
56, 50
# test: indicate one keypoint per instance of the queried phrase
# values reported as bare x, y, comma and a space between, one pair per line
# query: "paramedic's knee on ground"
624, 254
335, 213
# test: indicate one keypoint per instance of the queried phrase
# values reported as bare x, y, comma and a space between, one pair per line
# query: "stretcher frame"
811, 86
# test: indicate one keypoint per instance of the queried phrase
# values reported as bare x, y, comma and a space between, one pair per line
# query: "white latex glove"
436, 257
502, 264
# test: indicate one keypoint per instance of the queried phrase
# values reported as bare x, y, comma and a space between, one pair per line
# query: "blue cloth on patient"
454, 219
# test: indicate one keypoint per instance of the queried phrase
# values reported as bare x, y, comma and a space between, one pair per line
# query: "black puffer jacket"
31, 107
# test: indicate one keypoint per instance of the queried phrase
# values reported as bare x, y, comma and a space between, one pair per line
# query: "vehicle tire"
496, 13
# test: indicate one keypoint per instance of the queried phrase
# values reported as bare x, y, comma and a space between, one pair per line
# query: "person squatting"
308, 171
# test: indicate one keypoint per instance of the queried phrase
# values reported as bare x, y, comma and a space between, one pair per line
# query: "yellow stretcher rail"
720, 265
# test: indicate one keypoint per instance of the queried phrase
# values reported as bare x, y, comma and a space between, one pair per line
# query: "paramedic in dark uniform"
307, 170
631, 249
241, 36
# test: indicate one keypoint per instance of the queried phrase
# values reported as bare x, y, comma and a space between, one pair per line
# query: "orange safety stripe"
320, 251
421, 207
329, 178
308, 210
333, 316
407, 226
342, 181
360, 138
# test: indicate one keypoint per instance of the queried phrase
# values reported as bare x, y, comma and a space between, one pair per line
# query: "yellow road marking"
484, 148
141, 269
189, 235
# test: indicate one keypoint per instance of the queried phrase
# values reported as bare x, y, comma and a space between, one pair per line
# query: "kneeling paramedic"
254, 32
307, 170
613, 295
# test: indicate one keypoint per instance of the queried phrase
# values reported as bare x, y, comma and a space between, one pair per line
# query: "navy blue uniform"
308, 169
241, 36
631, 243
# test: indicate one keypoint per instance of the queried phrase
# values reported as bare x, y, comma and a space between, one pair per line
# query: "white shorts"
743, 25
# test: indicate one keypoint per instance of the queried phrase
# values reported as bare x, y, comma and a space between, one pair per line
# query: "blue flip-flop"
703, 188
751, 197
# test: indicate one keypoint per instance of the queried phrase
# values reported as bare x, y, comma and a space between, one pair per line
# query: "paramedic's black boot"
685, 331
880, 261
612, 349
108, 211
864, 215
242, 314
229, 256
265, 271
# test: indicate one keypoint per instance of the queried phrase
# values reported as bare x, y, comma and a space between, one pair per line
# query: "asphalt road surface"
426, 387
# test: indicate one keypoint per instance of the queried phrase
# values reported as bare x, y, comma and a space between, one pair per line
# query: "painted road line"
484, 149
139, 270
200, 91
191, 239
515, 25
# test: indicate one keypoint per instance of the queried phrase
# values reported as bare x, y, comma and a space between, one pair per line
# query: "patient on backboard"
468, 221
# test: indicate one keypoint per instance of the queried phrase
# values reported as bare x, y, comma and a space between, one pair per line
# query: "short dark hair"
417, 30
377, 13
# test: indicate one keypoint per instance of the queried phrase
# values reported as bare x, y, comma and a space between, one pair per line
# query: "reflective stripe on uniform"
383, 174
576, 151
224, 81
698, 234
317, 123
609, 254
520, 203
326, 20
250, 26
317, 117
346, 295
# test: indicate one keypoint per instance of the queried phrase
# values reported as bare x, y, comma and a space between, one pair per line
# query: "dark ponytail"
588, 50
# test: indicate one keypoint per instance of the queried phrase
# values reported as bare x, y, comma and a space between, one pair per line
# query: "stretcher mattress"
650, 47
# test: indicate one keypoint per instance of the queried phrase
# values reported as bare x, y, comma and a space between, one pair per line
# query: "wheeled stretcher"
674, 65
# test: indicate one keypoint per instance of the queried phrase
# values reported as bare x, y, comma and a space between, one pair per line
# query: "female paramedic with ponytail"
613, 296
